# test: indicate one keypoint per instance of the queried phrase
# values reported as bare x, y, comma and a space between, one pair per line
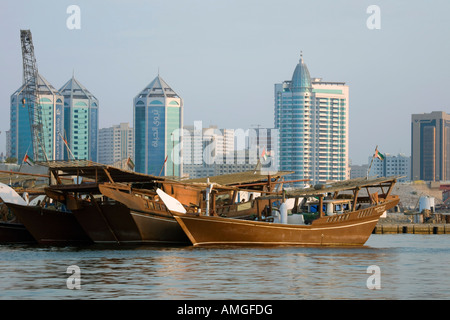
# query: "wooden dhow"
119, 206
345, 217
103, 219
157, 225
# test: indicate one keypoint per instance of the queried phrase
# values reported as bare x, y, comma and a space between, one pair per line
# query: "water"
412, 267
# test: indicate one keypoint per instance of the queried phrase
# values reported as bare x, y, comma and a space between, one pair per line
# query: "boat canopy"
96, 172
351, 184
241, 178
86, 175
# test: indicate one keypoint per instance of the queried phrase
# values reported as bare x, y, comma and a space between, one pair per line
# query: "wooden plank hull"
48, 226
156, 228
107, 223
118, 224
153, 222
14, 233
349, 229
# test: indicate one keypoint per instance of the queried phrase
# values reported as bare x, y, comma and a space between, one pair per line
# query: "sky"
223, 58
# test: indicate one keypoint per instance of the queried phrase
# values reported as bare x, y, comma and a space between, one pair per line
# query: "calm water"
412, 267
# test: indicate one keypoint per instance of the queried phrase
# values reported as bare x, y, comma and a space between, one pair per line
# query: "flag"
28, 160
130, 163
378, 155
264, 154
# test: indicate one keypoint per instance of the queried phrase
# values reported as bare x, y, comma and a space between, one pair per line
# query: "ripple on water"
412, 267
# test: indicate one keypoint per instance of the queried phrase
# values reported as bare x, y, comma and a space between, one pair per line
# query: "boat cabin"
330, 207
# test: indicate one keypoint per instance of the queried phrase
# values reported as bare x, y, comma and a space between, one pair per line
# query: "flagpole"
163, 166
20, 167
256, 167
65, 143
370, 166
65, 135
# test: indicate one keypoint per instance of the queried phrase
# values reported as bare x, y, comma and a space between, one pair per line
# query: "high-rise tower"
80, 121
430, 146
158, 123
312, 118
51, 104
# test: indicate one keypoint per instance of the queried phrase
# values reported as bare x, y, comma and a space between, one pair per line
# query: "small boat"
344, 218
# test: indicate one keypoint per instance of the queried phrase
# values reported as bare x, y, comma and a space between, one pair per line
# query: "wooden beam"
355, 198
55, 174
108, 175
390, 188
368, 194
321, 213
295, 209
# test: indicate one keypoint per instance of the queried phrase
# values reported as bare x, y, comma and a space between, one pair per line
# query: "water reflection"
411, 268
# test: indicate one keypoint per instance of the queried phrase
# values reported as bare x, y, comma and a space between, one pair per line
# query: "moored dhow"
118, 206
103, 219
345, 217
155, 222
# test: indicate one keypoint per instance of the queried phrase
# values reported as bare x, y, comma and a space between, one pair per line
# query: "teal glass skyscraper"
51, 105
158, 123
312, 118
80, 121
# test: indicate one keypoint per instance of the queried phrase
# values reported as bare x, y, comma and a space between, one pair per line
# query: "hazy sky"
223, 58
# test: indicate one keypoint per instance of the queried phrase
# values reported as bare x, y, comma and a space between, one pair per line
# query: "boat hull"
107, 223
156, 228
350, 229
14, 233
153, 222
49, 226
115, 223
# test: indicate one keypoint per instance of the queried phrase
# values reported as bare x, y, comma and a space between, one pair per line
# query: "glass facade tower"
158, 123
80, 121
312, 118
51, 104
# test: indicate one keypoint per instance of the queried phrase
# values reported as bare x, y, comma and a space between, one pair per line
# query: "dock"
412, 228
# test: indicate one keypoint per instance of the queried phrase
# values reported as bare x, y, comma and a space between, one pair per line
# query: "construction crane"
31, 96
